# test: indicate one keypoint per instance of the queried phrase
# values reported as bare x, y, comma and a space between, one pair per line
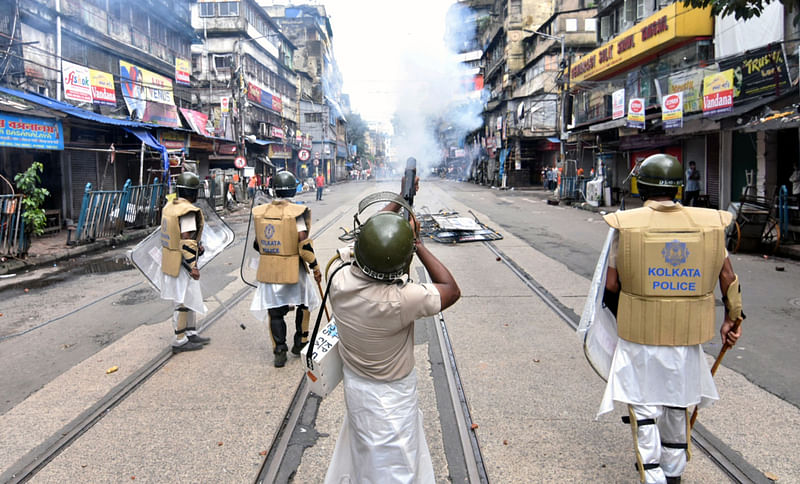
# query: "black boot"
280, 358
196, 338
673, 480
188, 346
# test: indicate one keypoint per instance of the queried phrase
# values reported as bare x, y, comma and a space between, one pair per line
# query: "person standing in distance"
320, 182
181, 229
692, 190
285, 256
375, 304
663, 266
795, 179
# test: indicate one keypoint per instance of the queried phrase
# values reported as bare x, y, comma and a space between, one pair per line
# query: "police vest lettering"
171, 250
276, 233
668, 261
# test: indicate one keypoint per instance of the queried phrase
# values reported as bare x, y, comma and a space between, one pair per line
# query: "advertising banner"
718, 93
103, 88
758, 72
148, 95
197, 121
183, 71
636, 113
690, 83
672, 110
224, 104
30, 132
618, 104
77, 82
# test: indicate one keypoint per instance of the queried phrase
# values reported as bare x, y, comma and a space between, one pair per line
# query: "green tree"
356, 132
34, 196
743, 9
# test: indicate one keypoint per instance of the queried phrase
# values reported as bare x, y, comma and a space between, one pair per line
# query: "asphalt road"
70, 313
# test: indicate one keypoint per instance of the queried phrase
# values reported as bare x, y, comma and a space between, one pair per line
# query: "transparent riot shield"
217, 236
598, 326
249, 252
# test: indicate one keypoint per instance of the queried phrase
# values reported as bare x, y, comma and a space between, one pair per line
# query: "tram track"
726, 459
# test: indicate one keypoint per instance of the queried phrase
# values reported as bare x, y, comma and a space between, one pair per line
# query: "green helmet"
187, 185
285, 184
660, 171
384, 246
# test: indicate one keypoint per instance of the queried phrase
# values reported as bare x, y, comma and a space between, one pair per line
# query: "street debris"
474, 426
112, 369
448, 227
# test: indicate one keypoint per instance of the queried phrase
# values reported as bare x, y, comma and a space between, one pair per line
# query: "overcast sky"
378, 44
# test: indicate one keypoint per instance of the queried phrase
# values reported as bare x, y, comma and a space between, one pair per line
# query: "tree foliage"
742, 9
32, 211
356, 132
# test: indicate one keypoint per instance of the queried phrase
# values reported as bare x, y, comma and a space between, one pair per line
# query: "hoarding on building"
77, 82
148, 95
636, 113
30, 132
718, 92
618, 104
183, 71
103, 91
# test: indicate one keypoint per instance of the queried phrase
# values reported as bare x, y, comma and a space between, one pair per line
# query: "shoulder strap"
313, 339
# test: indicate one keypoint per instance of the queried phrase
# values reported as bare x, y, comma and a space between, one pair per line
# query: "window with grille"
313, 117
207, 9
605, 28
222, 62
590, 25
640, 10
228, 9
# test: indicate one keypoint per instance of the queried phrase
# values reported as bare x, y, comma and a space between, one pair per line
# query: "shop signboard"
77, 82
183, 71
197, 121
672, 110
30, 132
224, 104
618, 104
636, 113
757, 73
103, 88
718, 93
276, 132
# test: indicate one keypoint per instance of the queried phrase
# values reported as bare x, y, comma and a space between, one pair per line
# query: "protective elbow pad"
189, 251
307, 253
733, 300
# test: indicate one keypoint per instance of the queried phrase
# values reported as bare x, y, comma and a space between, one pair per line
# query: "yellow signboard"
664, 28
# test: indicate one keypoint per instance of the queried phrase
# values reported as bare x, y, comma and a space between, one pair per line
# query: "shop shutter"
712, 170
83, 170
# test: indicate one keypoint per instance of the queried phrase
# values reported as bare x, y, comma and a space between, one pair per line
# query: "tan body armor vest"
276, 235
171, 249
668, 260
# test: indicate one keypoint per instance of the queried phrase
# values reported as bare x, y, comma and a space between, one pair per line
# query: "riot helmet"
659, 175
187, 184
384, 246
285, 184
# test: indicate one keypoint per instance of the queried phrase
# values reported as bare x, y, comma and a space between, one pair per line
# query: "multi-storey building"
97, 75
670, 63
536, 115
321, 112
244, 70
503, 58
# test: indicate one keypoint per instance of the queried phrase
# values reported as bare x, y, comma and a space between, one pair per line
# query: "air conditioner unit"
263, 130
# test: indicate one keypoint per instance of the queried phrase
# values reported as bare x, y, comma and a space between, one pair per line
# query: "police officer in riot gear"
664, 264
286, 255
181, 230
375, 304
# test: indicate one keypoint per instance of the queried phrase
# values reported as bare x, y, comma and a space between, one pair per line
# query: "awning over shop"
553, 139
147, 138
261, 142
74, 110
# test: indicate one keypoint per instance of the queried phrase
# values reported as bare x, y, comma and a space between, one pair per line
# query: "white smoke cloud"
436, 101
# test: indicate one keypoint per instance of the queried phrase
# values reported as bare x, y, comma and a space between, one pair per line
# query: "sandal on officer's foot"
196, 338
280, 358
188, 346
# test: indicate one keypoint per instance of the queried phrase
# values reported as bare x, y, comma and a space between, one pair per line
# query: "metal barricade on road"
13, 241
106, 213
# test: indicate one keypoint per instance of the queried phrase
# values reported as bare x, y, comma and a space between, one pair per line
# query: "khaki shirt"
375, 321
